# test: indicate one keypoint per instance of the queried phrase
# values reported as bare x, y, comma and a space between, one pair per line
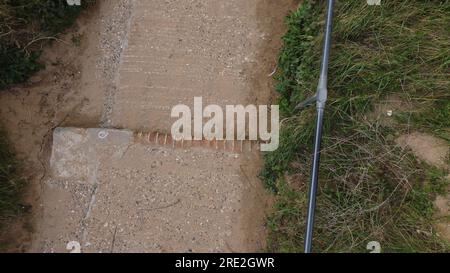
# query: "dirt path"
137, 59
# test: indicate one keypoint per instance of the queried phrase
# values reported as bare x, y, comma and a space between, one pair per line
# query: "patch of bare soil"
388, 107
431, 149
69, 92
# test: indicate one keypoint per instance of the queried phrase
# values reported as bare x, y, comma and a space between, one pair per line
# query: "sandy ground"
431, 149
135, 59
70, 91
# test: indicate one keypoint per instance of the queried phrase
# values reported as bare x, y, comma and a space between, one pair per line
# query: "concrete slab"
75, 152
120, 195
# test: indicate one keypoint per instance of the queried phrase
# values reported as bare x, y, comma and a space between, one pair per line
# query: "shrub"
24, 26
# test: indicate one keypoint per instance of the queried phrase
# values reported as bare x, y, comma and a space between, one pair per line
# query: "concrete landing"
111, 193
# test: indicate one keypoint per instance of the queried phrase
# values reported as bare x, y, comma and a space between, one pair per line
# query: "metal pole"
321, 99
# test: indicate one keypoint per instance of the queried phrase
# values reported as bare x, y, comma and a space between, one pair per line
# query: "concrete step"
120, 191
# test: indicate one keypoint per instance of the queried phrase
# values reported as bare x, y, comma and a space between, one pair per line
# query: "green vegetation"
25, 26
371, 189
10, 183
435, 120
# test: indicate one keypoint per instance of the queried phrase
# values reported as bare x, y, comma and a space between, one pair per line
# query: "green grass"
371, 190
25, 27
435, 120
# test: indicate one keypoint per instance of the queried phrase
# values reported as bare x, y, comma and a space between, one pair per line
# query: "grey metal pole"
321, 99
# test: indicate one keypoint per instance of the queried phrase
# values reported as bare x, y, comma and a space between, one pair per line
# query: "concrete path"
113, 190
181, 49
